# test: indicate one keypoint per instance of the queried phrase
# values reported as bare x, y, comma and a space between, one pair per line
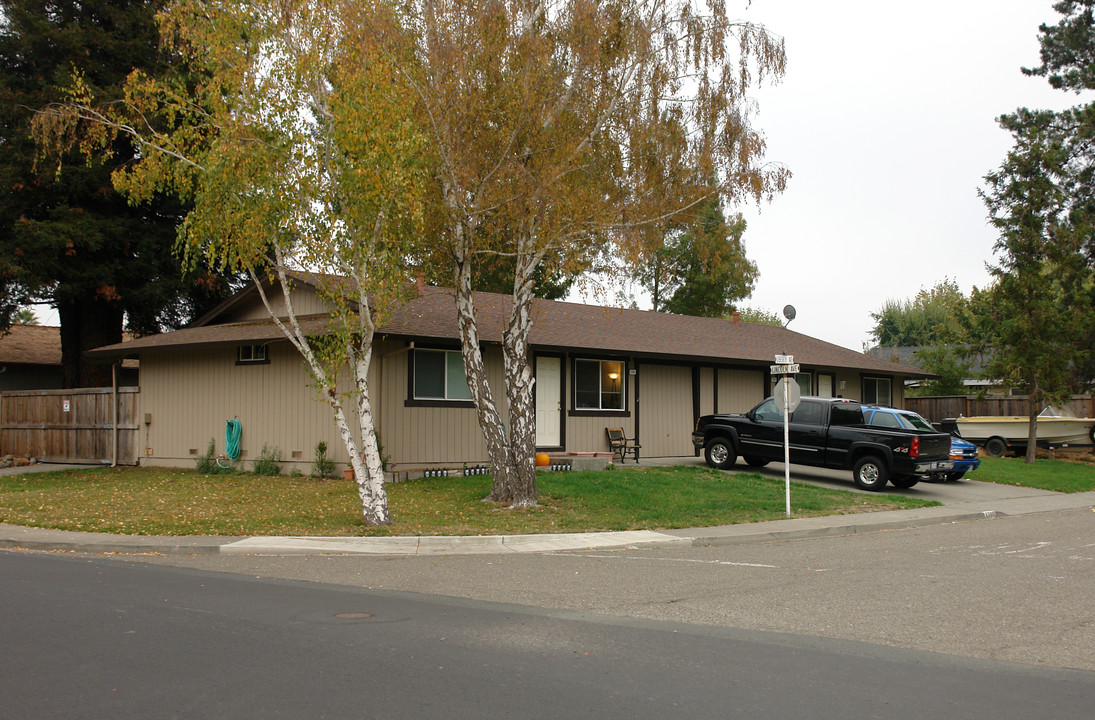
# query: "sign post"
787, 398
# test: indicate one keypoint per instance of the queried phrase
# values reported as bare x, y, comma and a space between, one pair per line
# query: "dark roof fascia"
423, 320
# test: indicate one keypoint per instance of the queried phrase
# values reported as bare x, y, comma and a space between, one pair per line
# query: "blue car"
963, 453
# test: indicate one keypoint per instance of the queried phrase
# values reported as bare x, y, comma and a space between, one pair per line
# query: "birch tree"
298, 151
564, 125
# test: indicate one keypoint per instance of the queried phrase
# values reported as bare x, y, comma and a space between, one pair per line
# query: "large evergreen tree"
67, 238
1041, 201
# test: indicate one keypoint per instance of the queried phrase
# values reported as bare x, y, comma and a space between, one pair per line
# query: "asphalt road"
1013, 588
95, 638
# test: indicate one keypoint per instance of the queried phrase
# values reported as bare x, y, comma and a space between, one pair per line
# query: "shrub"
207, 463
269, 461
323, 466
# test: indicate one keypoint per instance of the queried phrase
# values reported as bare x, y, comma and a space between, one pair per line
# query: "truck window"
767, 410
808, 413
846, 414
885, 419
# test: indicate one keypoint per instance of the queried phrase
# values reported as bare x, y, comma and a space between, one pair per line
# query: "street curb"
841, 530
15, 537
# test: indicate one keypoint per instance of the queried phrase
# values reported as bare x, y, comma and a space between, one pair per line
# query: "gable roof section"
563, 326
31, 345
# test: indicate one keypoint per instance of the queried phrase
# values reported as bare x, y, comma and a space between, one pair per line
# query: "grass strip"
1057, 475
166, 501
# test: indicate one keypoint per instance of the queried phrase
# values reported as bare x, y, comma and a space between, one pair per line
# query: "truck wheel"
754, 461
904, 481
996, 447
870, 473
720, 453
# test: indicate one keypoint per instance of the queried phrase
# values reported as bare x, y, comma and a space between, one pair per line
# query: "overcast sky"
886, 118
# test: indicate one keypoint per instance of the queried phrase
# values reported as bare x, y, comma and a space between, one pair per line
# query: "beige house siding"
192, 394
740, 390
305, 302
665, 410
414, 436
189, 395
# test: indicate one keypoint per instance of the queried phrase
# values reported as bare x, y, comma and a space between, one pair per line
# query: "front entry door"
549, 401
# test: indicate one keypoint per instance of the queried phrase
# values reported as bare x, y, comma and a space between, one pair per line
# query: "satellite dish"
789, 312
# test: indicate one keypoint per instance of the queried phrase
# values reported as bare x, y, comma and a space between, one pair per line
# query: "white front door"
549, 410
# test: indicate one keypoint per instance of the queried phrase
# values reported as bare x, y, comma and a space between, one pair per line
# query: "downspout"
114, 413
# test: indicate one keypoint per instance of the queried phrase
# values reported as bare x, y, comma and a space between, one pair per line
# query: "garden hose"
233, 430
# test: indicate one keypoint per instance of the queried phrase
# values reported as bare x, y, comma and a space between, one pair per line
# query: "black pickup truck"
824, 432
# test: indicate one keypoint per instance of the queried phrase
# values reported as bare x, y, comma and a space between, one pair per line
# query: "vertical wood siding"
305, 302
740, 390
665, 407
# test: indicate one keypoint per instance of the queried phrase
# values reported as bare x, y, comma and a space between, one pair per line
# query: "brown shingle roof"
31, 345
564, 325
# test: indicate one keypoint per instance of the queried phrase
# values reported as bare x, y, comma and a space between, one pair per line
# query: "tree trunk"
370, 474
1035, 400
87, 324
490, 420
518, 485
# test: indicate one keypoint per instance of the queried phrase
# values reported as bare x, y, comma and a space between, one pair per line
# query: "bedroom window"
439, 375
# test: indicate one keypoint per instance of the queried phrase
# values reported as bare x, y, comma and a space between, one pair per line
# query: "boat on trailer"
1001, 433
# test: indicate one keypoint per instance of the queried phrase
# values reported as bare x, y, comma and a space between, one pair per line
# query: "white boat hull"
1051, 430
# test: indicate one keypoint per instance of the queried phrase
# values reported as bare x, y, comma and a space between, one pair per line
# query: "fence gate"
71, 426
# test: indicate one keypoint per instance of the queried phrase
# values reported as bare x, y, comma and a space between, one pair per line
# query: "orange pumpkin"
542, 460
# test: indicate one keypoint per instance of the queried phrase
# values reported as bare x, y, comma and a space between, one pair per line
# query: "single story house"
650, 373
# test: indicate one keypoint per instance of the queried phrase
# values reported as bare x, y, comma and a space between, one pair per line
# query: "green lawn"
159, 501
1057, 475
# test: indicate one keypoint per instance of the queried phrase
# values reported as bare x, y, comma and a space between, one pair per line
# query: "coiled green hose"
233, 431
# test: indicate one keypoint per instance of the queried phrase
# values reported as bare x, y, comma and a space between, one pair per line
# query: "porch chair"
622, 446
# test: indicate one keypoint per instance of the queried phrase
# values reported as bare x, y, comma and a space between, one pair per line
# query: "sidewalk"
1026, 501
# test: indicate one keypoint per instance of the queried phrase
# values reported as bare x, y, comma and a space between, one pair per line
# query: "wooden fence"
937, 408
71, 426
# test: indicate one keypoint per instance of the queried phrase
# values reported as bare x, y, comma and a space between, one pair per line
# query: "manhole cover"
353, 616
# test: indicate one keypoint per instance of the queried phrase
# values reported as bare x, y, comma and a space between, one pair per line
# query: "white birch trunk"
370, 481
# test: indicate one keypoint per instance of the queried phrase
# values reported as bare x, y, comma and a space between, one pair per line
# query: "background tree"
713, 269
1040, 200
72, 240
562, 127
699, 266
762, 316
24, 316
297, 150
928, 319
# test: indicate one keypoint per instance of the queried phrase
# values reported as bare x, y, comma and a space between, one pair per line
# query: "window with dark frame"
877, 390
251, 354
439, 375
599, 385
